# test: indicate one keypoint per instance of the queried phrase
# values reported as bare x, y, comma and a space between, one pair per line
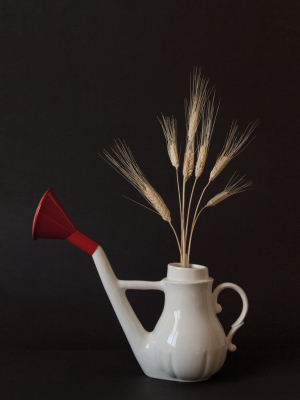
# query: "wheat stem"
200, 200
182, 226
178, 188
195, 214
189, 208
192, 230
175, 236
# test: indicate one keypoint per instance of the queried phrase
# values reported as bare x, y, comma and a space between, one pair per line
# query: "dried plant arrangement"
201, 113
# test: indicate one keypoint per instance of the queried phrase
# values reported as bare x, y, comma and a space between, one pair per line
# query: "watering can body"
188, 342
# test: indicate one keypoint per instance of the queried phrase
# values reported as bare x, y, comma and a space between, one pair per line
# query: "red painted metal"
52, 222
83, 242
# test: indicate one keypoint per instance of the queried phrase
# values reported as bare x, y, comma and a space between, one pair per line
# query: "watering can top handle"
240, 321
141, 285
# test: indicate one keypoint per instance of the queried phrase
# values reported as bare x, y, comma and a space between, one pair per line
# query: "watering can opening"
52, 222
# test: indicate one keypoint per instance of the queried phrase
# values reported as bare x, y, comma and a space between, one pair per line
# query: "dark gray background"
75, 75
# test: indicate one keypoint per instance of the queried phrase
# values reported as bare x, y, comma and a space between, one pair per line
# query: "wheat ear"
125, 165
233, 146
169, 127
234, 186
199, 94
208, 123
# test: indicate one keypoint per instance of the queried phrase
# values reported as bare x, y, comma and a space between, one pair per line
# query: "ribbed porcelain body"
188, 341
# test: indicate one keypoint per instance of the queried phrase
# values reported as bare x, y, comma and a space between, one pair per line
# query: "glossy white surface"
188, 342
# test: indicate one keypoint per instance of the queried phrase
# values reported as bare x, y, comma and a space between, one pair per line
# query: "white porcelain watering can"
188, 343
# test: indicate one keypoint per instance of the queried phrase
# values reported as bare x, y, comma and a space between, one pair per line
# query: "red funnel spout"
52, 222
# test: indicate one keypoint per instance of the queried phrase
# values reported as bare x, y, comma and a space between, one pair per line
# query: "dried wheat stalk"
199, 109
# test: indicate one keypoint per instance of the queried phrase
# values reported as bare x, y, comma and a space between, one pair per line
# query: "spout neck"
194, 273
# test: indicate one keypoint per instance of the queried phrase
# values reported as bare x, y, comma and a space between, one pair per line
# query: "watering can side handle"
141, 285
240, 321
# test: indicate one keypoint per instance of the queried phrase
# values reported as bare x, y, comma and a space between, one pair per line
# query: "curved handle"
240, 321
141, 285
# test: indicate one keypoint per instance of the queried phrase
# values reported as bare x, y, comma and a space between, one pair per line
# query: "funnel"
52, 222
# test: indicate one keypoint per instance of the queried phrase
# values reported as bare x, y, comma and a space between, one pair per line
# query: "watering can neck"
193, 274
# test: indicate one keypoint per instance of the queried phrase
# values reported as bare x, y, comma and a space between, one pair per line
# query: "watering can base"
169, 378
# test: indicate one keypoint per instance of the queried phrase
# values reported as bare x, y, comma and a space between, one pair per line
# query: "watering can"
188, 343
